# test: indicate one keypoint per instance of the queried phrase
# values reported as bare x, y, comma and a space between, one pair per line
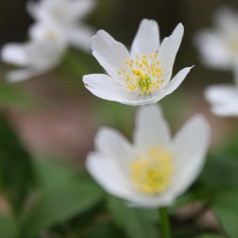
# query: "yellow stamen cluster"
151, 173
50, 35
143, 73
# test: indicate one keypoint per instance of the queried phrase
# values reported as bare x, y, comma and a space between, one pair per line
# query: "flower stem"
164, 223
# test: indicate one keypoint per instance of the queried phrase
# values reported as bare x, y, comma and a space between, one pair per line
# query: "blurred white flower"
141, 76
219, 46
40, 54
67, 15
156, 169
224, 98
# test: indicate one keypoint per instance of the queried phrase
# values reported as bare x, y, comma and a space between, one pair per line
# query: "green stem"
164, 223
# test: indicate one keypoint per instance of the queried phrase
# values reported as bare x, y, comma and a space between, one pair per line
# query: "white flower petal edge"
189, 146
107, 173
150, 121
112, 144
36, 57
110, 53
223, 99
80, 37
168, 51
103, 86
81, 8
18, 75
212, 49
174, 83
148, 44
112, 164
14, 53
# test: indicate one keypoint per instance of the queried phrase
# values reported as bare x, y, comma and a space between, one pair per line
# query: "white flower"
141, 76
156, 169
224, 98
68, 15
219, 47
40, 54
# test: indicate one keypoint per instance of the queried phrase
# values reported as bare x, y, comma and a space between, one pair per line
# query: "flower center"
50, 35
152, 172
143, 73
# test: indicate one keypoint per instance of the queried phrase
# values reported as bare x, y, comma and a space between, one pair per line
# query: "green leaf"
226, 209
54, 174
59, 206
11, 95
8, 227
211, 178
135, 222
104, 230
209, 236
16, 169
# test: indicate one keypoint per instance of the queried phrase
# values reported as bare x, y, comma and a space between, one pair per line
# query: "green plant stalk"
164, 223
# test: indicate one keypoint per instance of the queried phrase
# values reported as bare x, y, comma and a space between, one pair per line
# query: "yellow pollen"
50, 35
151, 172
142, 73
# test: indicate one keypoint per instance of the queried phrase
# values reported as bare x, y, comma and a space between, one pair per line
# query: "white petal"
107, 173
103, 86
141, 101
147, 38
156, 201
44, 55
223, 99
32, 8
80, 9
151, 128
21, 74
213, 49
80, 37
14, 53
48, 33
168, 50
113, 145
110, 53
189, 148
174, 83
225, 18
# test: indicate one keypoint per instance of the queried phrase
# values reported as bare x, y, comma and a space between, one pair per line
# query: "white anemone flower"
219, 46
68, 15
223, 98
142, 76
155, 169
40, 54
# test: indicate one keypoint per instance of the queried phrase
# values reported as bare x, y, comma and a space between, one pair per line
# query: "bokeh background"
59, 116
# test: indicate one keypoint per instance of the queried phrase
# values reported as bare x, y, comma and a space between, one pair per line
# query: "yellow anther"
142, 74
151, 172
